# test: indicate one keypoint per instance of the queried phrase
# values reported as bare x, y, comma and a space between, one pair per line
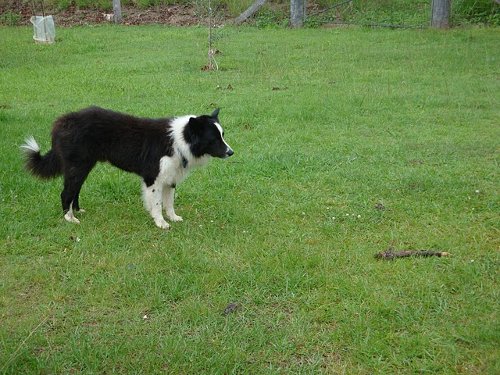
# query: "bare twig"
212, 63
14, 355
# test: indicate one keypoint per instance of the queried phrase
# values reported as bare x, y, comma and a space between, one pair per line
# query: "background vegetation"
406, 12
347, 141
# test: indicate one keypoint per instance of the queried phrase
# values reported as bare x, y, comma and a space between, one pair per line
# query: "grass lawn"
347, 142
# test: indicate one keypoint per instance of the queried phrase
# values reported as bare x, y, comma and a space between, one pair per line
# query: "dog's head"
205, 136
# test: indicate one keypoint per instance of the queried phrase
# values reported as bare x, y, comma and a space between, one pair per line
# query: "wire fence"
387, 13
403, 13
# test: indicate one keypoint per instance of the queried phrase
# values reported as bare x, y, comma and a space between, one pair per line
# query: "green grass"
325, 124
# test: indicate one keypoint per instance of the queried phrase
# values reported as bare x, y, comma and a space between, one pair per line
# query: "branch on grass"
391, 254
252, 9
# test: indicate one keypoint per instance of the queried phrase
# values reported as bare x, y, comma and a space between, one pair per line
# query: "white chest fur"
172, 170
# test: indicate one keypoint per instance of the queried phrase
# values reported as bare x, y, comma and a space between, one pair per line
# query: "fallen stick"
391, 254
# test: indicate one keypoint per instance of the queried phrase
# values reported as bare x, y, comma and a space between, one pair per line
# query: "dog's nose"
229, 152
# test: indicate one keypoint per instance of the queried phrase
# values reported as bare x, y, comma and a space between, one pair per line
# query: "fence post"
297, 12
117, 11
441, 14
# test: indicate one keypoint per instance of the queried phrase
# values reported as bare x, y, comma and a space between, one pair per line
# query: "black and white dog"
161, 151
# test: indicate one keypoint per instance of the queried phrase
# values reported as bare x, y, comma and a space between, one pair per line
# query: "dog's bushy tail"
46, 166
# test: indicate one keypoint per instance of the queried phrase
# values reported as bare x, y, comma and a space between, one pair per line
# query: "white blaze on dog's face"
229, 150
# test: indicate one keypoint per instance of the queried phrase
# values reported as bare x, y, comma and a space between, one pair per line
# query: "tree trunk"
297, 12
441, 10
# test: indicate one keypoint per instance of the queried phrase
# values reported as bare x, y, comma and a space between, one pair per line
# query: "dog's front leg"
152, 196
168, 201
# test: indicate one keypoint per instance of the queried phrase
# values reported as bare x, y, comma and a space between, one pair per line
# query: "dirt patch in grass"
175, 15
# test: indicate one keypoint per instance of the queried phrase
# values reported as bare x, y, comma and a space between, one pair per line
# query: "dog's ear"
193, 134
192, 129
215, 114
193, 121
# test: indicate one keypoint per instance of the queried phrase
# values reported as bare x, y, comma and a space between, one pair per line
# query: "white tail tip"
30, 145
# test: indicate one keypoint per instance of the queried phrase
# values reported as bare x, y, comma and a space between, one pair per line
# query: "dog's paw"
174, 217
161, 223
71, 218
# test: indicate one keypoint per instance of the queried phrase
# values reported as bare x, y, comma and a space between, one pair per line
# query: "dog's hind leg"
73, 180
76, 203
67, 203
168, 201
152, 195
